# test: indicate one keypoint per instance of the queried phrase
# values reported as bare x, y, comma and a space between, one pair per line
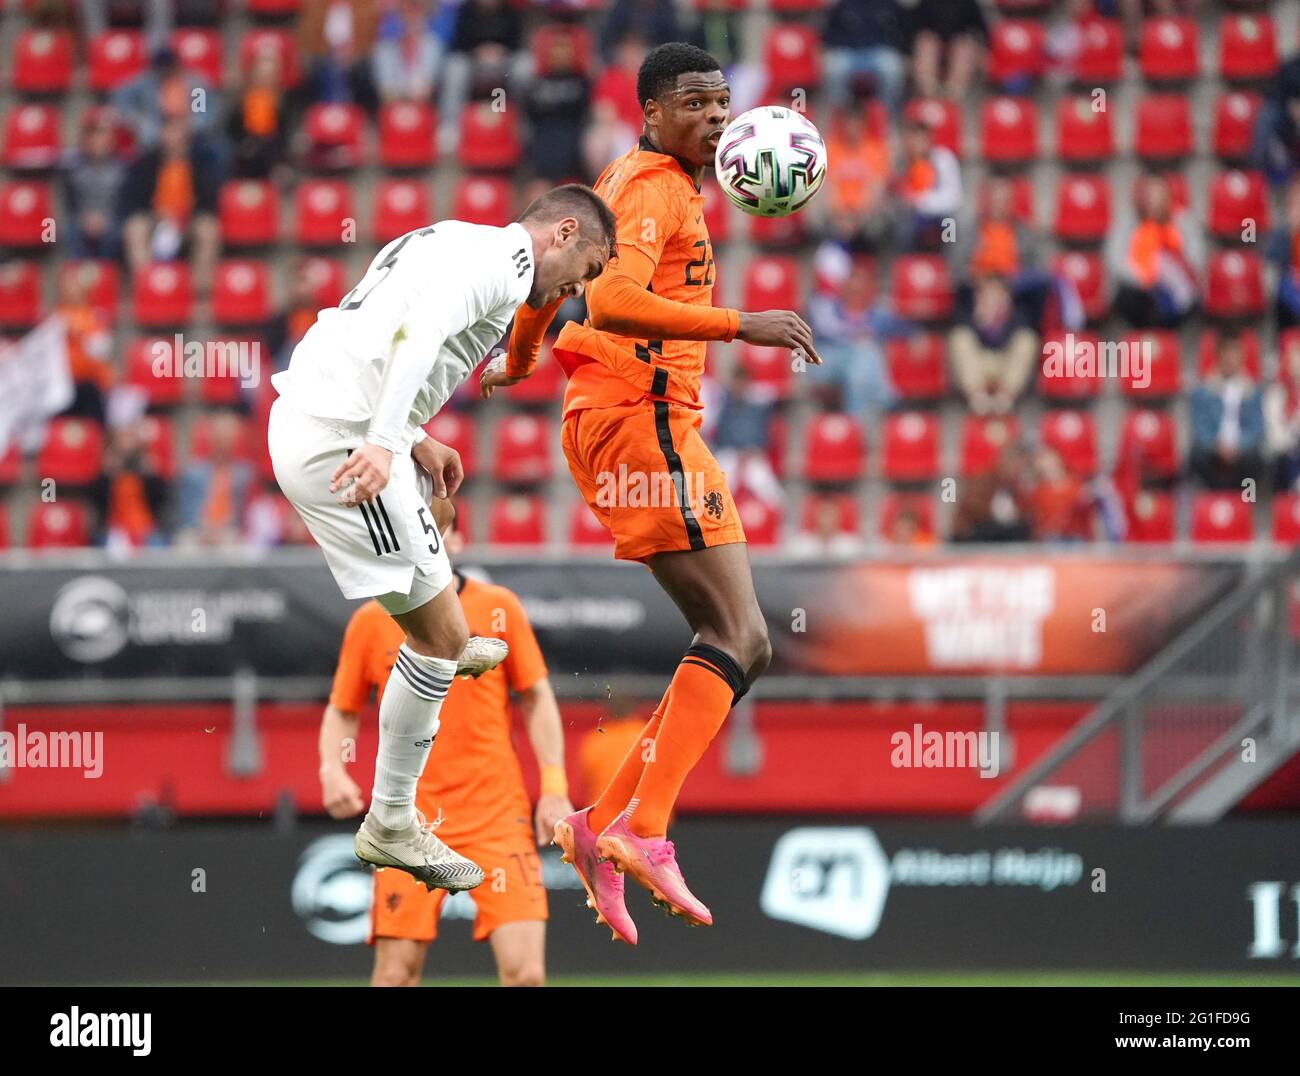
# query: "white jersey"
402, 341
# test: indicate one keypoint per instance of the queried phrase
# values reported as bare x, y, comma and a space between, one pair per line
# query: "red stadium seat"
1017, 51
1009, 130
1082, 208
248, 211
101, 279
1176, 181
1150, 517
26, 211
407, 135
893, 505
489, 139
1247, 47
717, 218
115, 57
1234, 285
32, 138
1222, 517
4, 525
792, 7
845, 506
922, 287
1082, 132
517, 520
321, 207
1065, 373
280, 43
1286, 518
271, 9
457, 431
61, 524
1147, 446
20, 294
159, 438
1238, 200
11, 462
73, 451
1101, 57
772, 283
762, 522
1167, 49
791, 231
328, 281
910, 448
982, 441
944, 118
523, 450
401, 206
43, 61
1234, 124
149, 362
163, 294
835, 450
1022, 196
1164, 127
544, 385
1207, 352
545, 37
792, 58
1161, 354
334, 136
916, 366
483, 200
778, 437
1074, 437
200, 51
585, 530
769, 367
241, 292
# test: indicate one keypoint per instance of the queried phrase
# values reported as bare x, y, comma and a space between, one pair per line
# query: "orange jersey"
660, 283
473, 775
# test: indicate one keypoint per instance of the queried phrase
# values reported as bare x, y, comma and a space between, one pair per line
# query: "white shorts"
389, 549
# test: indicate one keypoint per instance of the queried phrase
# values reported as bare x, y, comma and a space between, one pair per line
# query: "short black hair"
595, 218
662, 65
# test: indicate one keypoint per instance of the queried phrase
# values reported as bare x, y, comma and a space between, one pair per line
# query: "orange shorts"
512, 891
646, 473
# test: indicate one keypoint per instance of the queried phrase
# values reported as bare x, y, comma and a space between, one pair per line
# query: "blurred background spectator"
213, 490
1227, 415
1157, 265
929, 187
1276, 149
93, 174
167, 91
740, 438
131, 498
406, 61
258, 124
993, 351
557, 110
948, 38
335, 38
996, 506
864, 40
1282, 417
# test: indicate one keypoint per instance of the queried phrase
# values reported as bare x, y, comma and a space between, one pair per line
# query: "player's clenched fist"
340, 794
362, 476
778, 328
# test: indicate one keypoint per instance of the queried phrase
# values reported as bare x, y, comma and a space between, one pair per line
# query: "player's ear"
567, 229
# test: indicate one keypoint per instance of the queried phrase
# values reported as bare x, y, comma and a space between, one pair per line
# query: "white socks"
408, 722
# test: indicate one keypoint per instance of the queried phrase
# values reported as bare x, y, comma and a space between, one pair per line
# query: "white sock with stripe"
408, 722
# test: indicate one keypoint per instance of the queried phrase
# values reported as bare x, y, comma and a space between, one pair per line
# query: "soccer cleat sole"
616, 852
563, 839
456, 881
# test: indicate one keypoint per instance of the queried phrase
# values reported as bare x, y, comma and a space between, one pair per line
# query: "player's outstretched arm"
520, 357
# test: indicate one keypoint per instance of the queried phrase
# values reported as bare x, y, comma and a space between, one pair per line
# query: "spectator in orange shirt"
89, 341
858, 211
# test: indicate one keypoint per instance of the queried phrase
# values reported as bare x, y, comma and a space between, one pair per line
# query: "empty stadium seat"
101, 279
457, 431
834, 449
1083, 133
910, 447
523, 450
334, 136
1222, 517
772, 283
163, 294
922, 287
200, 51
281, 44
792, 58
1234, 285
43, 61
401, 206
483, 200
26, 210
20, 294
1167, 49
916, 366
114, 57
1082, 208
1009, 130
1207, 352
148, 366
224, 389
1164, 127
248, 212
1235, 114
762, 522
1064, 373
769, 368
1237, 198
1074, 437
407, 132
1247, 46
544, 385
241, 292
1286, 518
321, 206
31, 139
1147, 445
61, 524
517, 520
894, 504
73, 451
1150, 517
1161, 353
982, 440
489, 139
327, 279
1101, 52
943, 117
585, 530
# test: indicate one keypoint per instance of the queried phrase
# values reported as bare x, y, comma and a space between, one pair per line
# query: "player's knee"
761, 654
446, 641
395, 973
527, 973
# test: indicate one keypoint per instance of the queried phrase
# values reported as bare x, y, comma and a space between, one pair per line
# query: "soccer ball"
771, 161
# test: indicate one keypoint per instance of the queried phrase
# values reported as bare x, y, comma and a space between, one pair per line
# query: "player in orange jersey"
472, 782
632, 415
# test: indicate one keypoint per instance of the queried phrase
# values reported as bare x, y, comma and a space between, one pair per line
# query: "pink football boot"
604, 885
652, 861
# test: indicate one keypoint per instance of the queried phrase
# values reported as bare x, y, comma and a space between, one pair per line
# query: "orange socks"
623, 786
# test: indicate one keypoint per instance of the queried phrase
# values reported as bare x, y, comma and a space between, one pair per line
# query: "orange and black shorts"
511, 892
647, 474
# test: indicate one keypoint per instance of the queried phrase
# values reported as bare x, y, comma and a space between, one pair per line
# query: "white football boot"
418, 852
481, 654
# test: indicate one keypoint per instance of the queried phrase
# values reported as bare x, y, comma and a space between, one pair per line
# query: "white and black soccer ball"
771, 161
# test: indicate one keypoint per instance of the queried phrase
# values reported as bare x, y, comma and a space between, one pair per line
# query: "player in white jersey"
349, 453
